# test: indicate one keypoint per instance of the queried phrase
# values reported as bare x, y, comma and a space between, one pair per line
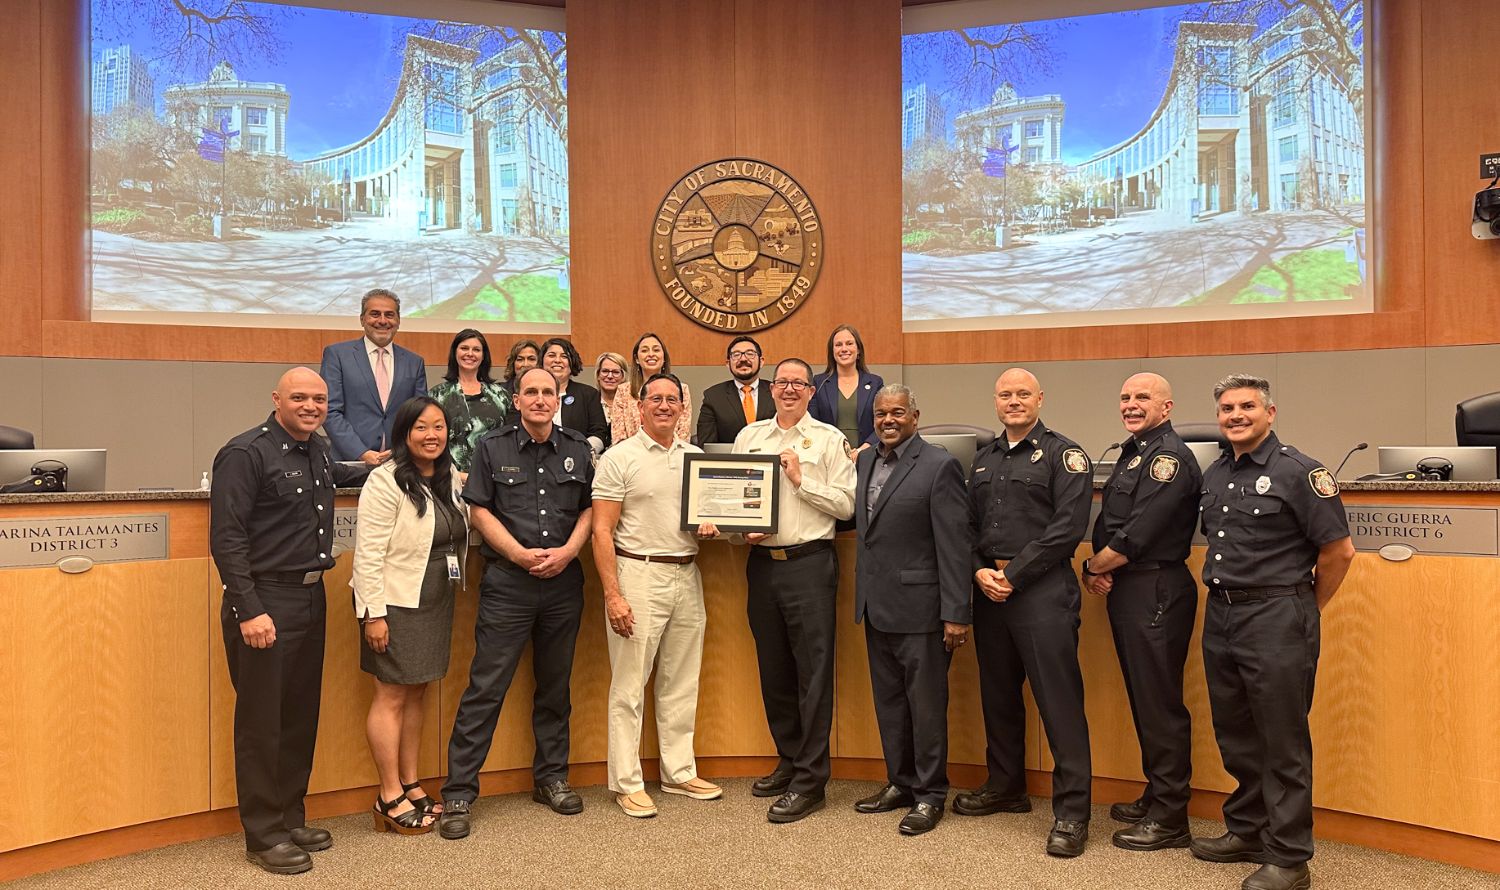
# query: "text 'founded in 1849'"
737, 245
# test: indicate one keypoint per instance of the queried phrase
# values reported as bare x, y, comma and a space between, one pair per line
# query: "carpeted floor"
729, 843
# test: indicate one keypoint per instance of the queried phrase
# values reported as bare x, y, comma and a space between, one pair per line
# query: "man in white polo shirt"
653, 599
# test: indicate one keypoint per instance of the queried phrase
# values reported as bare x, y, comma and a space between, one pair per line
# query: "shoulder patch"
1075, 461
1164, 468
1323, 482
847, 449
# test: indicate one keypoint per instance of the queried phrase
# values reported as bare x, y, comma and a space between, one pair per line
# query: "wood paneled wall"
659, 86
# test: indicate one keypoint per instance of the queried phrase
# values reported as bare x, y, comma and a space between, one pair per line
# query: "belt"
289, 577
674, 560
1254, 594
796, 551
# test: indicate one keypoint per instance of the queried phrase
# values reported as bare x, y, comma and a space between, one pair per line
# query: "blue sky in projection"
1111, 70
338, 68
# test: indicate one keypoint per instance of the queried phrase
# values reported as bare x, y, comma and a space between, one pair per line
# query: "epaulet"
570, 433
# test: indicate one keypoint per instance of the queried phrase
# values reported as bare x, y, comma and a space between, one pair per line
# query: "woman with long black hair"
408, 552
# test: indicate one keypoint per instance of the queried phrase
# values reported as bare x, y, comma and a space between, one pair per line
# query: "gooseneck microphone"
1360, 447
1113, 447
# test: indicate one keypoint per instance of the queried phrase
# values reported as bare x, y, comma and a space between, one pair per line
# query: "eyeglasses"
793, 385
744, 353
663, 400
606, 372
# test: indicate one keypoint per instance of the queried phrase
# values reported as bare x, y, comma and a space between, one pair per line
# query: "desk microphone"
1112, 447
1360, 447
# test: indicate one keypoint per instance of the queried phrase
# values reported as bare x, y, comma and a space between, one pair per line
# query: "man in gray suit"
912, 591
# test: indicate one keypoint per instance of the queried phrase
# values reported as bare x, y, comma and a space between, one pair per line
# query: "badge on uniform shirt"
567, 464
1134, 462
807, 443
1164, 468
1323, 482
1263, 485
1075, 461
1036, 456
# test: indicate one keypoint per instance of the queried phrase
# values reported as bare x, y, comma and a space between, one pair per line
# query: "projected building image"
426, 157
1229, 172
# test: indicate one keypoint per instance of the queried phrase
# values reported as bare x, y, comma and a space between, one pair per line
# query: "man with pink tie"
367, 380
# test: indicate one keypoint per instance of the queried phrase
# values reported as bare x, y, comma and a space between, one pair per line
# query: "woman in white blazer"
410, 545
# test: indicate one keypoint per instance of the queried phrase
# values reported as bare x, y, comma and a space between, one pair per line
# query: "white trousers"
667, 603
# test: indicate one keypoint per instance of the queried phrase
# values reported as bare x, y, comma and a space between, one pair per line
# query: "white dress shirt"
807, 512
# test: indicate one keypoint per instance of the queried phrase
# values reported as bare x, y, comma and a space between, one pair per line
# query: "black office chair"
982, 436
1477, 422
1200, 432
16, 439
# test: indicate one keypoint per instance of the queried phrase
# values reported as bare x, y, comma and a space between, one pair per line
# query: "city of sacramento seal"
737, 245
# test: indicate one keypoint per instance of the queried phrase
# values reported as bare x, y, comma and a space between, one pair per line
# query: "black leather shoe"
773, 785
561, 798
454, 821
983, 801
792, 806
1067, 838
286, 858
1227, 848
891, 797
1132, 812
312, 839
1150, 835
1279, 877
923, 818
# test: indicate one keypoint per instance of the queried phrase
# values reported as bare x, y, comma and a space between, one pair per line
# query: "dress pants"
515, 607
666, 601
1033, 636
1151, 615
1260, 658
792, 607
909, 676
277, 693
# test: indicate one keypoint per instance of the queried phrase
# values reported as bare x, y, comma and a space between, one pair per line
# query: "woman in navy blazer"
846, 379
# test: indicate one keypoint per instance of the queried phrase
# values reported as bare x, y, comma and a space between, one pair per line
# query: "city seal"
737, 245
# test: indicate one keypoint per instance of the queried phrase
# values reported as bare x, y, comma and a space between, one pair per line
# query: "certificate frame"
745, 512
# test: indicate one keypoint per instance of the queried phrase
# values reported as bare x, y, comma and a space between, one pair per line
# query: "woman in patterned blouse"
475, 403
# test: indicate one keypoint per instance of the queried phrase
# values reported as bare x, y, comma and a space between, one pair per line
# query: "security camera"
1487, 213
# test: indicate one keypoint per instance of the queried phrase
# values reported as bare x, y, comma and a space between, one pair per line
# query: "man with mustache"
368, 379
271, 535
730, 406
1029, 498
1278, 549
1141, 543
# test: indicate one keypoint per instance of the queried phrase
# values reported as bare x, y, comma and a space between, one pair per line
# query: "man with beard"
730, 406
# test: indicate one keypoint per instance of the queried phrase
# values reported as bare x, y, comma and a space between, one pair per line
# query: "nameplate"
45, 540
345, 528
1453, 531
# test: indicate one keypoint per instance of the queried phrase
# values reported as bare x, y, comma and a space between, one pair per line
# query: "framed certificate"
736, 492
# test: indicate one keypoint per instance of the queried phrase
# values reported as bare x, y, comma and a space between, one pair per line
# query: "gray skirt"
419, 638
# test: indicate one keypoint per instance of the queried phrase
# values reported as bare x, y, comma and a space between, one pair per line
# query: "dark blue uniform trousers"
515, 607
277, 694
1261, 659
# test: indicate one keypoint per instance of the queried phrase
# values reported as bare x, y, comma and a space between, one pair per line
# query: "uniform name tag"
292, 475
453, 567
510, 469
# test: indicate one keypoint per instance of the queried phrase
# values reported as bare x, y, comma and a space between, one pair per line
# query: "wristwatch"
1086, 572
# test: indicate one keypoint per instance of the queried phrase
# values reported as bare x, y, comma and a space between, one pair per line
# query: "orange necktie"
749, 403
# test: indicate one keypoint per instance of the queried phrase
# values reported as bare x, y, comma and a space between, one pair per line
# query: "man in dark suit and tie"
368, 379
912, 591
745, 398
